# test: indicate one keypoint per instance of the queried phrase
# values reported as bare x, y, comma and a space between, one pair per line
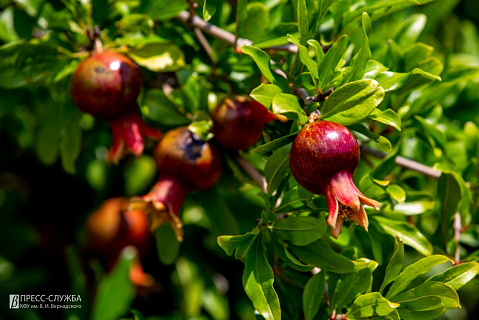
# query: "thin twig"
252, 172
457, 226
405, 163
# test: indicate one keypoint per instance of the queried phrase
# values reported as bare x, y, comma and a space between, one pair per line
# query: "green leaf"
352, 285
160, 56
433, 131
330, 61
262, 60
397, 194
382, 142
409, 234
162, 9
353, 102
449, 193
216, 208
387, 116
391, 81
471, 138
275, 144
322, 256
167, 244
313, 294
116, 292
265, 93
325, 4
361, 59
303, 22
277, 168
158, 107
423, 315
427, 295
287, 257
413, 271
411, 29
300, 230
370, 305
319, 51
288, 105
70, 136
395, 264
305, 58
209, 9
416, 53
139, 174
258, 280
240, 244
202, 129
457, 276
256, 22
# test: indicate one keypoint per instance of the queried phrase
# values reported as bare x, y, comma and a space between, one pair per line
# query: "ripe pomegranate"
323, 159
106, 85
186, 163
112, 227
238, 122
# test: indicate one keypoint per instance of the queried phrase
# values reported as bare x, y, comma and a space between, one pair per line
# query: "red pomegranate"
323, 159
238, 122
186, 163
106, 85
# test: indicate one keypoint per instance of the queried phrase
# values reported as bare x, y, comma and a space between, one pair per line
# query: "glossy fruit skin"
183, 156
112, 227
320, 150
186, 163
106, 85
238, 122
323, 159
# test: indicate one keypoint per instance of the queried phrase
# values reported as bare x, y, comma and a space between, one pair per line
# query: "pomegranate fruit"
106, 85
323, 159
186, 163
238, 122
112, 227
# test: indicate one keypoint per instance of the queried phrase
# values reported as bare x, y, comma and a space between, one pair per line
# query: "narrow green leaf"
361, 59
353, 102
167, 244
322, 256
300, 230
287, 257
116, 292
288, 105
277, 168
471, 133
433, 131
209, 9
158, 107
162, 9
457, 276
161, 56
411, 29
319, 51
409, 234
330, 61
391, 81
70, 136
387, 116
265, 93
325, 4
449, 193
382, 142
256, 22
370, 305
275, 144
313, 294
395, 264
413, 271
262, 60
430, 314
231, 243
258, 280
427, 295
306, 59
396, 193
303, 22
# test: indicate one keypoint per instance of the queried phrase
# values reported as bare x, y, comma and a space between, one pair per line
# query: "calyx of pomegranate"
186, 163
323, 159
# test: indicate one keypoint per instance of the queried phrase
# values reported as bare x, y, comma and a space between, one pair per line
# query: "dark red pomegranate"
106, 85
323, 159
112, 227
186, 163
238, 122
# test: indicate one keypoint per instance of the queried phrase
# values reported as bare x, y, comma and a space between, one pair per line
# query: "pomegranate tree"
186, 163
238, 122
323, 159
106, 85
